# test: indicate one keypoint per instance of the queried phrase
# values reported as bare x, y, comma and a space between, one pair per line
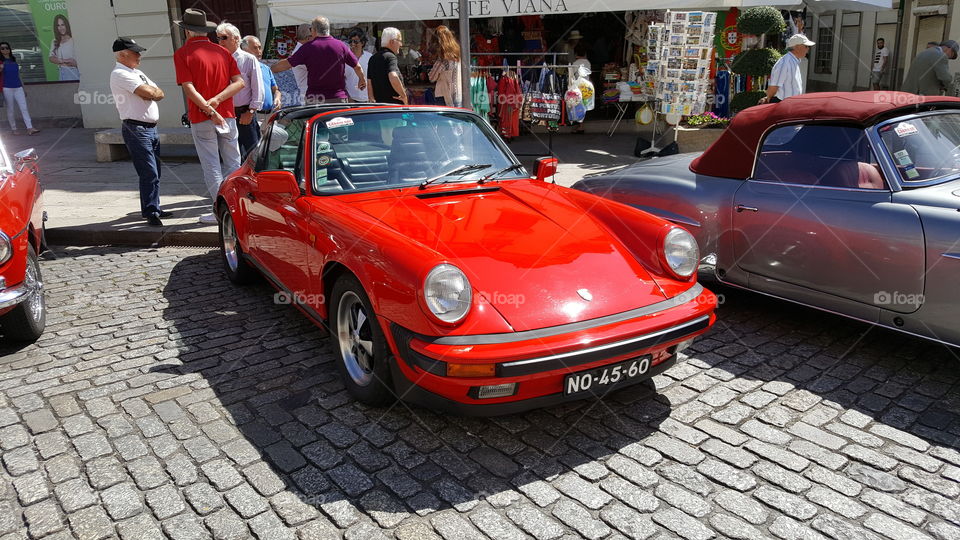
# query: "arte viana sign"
501, 8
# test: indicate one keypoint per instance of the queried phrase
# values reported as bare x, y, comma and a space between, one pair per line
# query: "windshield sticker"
342, 121
903, 129
323, 161
911, 172
903, 157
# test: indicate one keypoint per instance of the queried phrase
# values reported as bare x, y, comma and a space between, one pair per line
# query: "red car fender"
390, 267
641, 233
230, 195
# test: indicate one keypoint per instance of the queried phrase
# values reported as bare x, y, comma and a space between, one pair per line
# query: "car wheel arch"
332, 271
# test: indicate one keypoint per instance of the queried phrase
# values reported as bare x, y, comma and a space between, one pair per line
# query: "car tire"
238, 270
26, 321
361, 348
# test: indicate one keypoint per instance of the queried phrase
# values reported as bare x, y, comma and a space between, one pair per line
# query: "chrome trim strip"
13, 296
492, 339
951, 255
816, 186
599, 348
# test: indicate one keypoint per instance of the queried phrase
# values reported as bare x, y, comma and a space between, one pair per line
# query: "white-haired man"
136, 97
785, 79
386, 84
325, 58
249, 100
209, 77
272, 99
302, 36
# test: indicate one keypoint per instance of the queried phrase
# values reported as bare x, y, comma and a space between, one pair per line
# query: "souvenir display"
683, 46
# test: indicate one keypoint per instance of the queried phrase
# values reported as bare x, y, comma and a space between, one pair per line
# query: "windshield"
924, 148
374, 151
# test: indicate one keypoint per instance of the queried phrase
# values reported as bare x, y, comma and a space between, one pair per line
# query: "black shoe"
165, 214
154, 220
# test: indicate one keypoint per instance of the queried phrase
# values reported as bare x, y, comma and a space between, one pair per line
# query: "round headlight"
447, 293
6, 250
681, 252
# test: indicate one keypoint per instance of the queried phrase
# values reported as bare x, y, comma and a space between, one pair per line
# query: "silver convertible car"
846, 202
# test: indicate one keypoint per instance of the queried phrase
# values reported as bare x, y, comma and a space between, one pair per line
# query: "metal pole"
465, 53
892, 70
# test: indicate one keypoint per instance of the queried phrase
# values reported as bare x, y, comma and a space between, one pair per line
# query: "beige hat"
799, 39
574, 34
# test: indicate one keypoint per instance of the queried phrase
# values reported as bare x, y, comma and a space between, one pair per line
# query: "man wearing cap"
136, 98
209, 77
785, 79
928, 74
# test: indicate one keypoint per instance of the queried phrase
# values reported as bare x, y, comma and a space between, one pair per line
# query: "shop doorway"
240, 13
849, 49
929, 29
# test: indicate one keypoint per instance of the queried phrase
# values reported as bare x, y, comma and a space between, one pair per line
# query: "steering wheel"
954, 155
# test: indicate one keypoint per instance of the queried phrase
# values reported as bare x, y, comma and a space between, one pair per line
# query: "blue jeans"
143, 144
247, 136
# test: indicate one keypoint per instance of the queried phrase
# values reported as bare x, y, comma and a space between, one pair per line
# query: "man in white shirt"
357, 40
300, 72
880, 57
136, 98
785, 79
249, 99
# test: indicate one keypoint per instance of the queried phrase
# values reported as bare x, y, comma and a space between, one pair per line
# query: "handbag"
545, 106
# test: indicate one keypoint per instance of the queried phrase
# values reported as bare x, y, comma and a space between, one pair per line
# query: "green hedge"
755, 62
761, 20
746, 99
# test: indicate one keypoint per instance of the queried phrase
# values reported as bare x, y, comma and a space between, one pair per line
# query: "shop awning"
291, 12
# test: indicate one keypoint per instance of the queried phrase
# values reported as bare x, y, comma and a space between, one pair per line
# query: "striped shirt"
786, 76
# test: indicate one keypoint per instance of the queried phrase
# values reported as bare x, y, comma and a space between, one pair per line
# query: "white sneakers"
208, 219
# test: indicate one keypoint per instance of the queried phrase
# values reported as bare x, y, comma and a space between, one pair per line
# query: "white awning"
291, 12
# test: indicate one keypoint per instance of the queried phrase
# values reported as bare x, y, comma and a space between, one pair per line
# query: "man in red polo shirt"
209, 77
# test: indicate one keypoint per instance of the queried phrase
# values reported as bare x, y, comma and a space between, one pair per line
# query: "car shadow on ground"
273, 373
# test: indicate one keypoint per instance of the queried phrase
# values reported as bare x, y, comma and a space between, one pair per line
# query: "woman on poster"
62, 49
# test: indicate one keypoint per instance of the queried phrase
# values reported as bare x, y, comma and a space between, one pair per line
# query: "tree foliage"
760, 20
755, 62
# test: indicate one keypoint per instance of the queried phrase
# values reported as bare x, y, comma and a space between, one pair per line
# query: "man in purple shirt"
325, 58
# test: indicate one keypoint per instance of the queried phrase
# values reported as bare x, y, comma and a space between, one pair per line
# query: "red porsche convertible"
448, 276
23, 311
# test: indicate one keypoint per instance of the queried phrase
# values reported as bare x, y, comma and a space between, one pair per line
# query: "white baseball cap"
799, 39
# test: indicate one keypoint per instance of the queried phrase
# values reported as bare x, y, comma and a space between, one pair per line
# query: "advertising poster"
55, 37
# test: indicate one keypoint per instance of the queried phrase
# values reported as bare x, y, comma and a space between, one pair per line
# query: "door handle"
251, 196
741, 208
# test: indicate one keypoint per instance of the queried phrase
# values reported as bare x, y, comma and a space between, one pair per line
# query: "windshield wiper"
458, 171
501, 171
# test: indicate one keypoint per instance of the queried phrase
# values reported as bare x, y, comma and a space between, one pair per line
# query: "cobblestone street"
162, 401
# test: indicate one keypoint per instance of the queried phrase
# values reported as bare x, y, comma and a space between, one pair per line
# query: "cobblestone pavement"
163, 401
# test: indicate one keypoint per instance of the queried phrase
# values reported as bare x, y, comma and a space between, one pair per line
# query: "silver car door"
817, 215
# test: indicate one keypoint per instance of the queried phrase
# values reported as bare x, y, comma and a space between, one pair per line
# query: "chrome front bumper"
14, 295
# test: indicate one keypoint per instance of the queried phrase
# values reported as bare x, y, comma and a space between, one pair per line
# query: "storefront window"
824, 51
31, 27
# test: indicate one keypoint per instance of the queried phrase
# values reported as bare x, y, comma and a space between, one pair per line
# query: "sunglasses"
223, 38
355, 41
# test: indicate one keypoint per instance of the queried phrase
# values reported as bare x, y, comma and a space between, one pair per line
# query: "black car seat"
409, 155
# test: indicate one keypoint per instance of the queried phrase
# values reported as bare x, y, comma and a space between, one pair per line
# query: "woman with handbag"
13, 90
446, 69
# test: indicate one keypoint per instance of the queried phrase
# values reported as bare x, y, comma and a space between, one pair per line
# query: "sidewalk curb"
77, 236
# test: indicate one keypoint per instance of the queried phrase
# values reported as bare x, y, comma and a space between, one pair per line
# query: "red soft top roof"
731, 156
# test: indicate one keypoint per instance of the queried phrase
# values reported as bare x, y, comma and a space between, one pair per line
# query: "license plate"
599, 380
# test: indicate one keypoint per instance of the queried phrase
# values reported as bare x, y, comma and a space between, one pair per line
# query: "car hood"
536, 257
